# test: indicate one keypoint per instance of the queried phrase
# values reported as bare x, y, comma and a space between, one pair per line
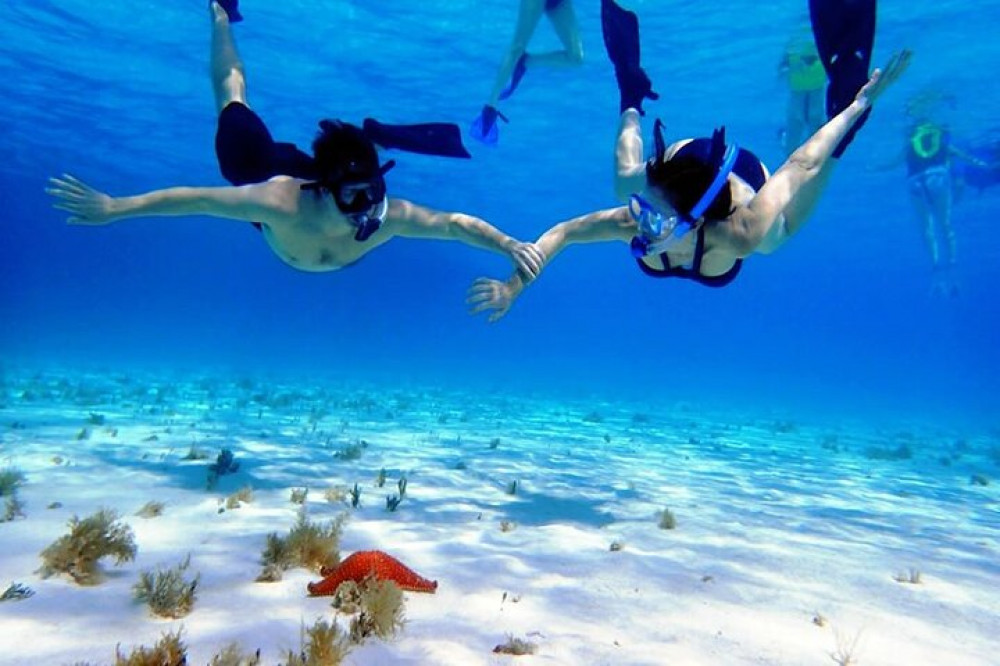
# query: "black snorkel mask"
359, 196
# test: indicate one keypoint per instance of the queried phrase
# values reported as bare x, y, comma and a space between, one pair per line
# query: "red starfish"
366, 563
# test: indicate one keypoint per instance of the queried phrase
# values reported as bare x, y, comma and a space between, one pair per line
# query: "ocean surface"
839, 320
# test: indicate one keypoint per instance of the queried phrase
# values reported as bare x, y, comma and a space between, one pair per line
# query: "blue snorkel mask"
657, 232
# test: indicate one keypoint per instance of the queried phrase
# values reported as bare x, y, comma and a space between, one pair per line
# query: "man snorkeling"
318, 212
698, 207
515, 64
803, 71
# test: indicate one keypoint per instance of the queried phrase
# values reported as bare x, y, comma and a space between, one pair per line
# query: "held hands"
496, 297
87, 205
881, 79
527, 258
493, 296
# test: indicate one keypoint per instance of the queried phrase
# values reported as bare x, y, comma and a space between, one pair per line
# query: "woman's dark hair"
682, 180
342, 150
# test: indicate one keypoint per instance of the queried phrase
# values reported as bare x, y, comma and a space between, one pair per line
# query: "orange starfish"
366, 563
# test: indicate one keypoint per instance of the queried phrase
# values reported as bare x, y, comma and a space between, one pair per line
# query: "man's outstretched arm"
413, 221
88, 206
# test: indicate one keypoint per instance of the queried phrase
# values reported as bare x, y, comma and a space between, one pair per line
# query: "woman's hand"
493, 296
881, 79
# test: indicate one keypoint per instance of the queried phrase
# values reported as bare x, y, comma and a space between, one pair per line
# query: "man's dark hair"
342, 150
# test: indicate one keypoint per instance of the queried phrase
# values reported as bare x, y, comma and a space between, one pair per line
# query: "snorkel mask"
356, 180
657, 232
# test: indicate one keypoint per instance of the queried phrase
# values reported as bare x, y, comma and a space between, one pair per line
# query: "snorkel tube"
658, 233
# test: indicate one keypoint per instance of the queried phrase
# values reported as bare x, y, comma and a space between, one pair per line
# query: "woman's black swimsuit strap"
693, 273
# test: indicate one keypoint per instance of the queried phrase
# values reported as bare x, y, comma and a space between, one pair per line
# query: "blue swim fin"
232, 8
620, 28
845, 36
484, 127
520, 68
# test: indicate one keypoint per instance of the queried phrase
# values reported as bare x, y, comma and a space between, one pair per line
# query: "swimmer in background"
515, 64
803, 71
932, 184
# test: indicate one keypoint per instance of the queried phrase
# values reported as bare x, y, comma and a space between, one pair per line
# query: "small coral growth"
167, 592
307, 544
89, 540
323, 644
168, 651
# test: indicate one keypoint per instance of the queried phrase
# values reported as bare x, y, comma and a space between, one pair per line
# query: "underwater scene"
274, 389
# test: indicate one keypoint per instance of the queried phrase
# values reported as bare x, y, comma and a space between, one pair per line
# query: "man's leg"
228, 78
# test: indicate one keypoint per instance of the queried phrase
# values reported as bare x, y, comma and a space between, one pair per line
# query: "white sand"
772, 528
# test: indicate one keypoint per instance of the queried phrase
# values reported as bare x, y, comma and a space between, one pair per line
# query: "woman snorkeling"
698, 207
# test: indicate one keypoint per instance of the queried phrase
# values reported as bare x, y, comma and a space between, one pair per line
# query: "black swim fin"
443, 139
232, 8
845, 36
621, 39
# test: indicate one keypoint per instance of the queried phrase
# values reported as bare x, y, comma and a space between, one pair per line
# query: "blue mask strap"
728, 163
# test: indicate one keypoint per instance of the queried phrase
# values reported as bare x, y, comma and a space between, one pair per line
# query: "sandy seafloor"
777, 521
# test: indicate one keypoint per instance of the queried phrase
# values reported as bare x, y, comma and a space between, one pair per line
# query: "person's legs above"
845, 36
228, 77
243, 145
563, 18
232, 8
620, 29
484, 127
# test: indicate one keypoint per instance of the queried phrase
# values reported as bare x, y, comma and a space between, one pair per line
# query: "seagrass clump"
170, 650
323, 644
78, 553
167, 591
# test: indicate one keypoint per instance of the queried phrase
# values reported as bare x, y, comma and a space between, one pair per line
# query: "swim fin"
232, 8
484, 127
443, 139
845, 36
520, 68
621, 39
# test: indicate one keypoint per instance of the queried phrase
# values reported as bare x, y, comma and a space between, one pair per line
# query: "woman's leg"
630, 166
228, 78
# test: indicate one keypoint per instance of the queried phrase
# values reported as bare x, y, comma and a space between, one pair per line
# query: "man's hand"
493, 296
87, 205
527, 258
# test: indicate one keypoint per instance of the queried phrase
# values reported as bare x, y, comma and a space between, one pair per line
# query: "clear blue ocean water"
838, 324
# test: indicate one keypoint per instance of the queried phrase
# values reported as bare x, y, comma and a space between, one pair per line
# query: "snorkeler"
932, 183
515, 64
699, 206
802, 69
318, 212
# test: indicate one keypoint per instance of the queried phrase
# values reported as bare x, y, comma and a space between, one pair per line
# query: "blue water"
838, 323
